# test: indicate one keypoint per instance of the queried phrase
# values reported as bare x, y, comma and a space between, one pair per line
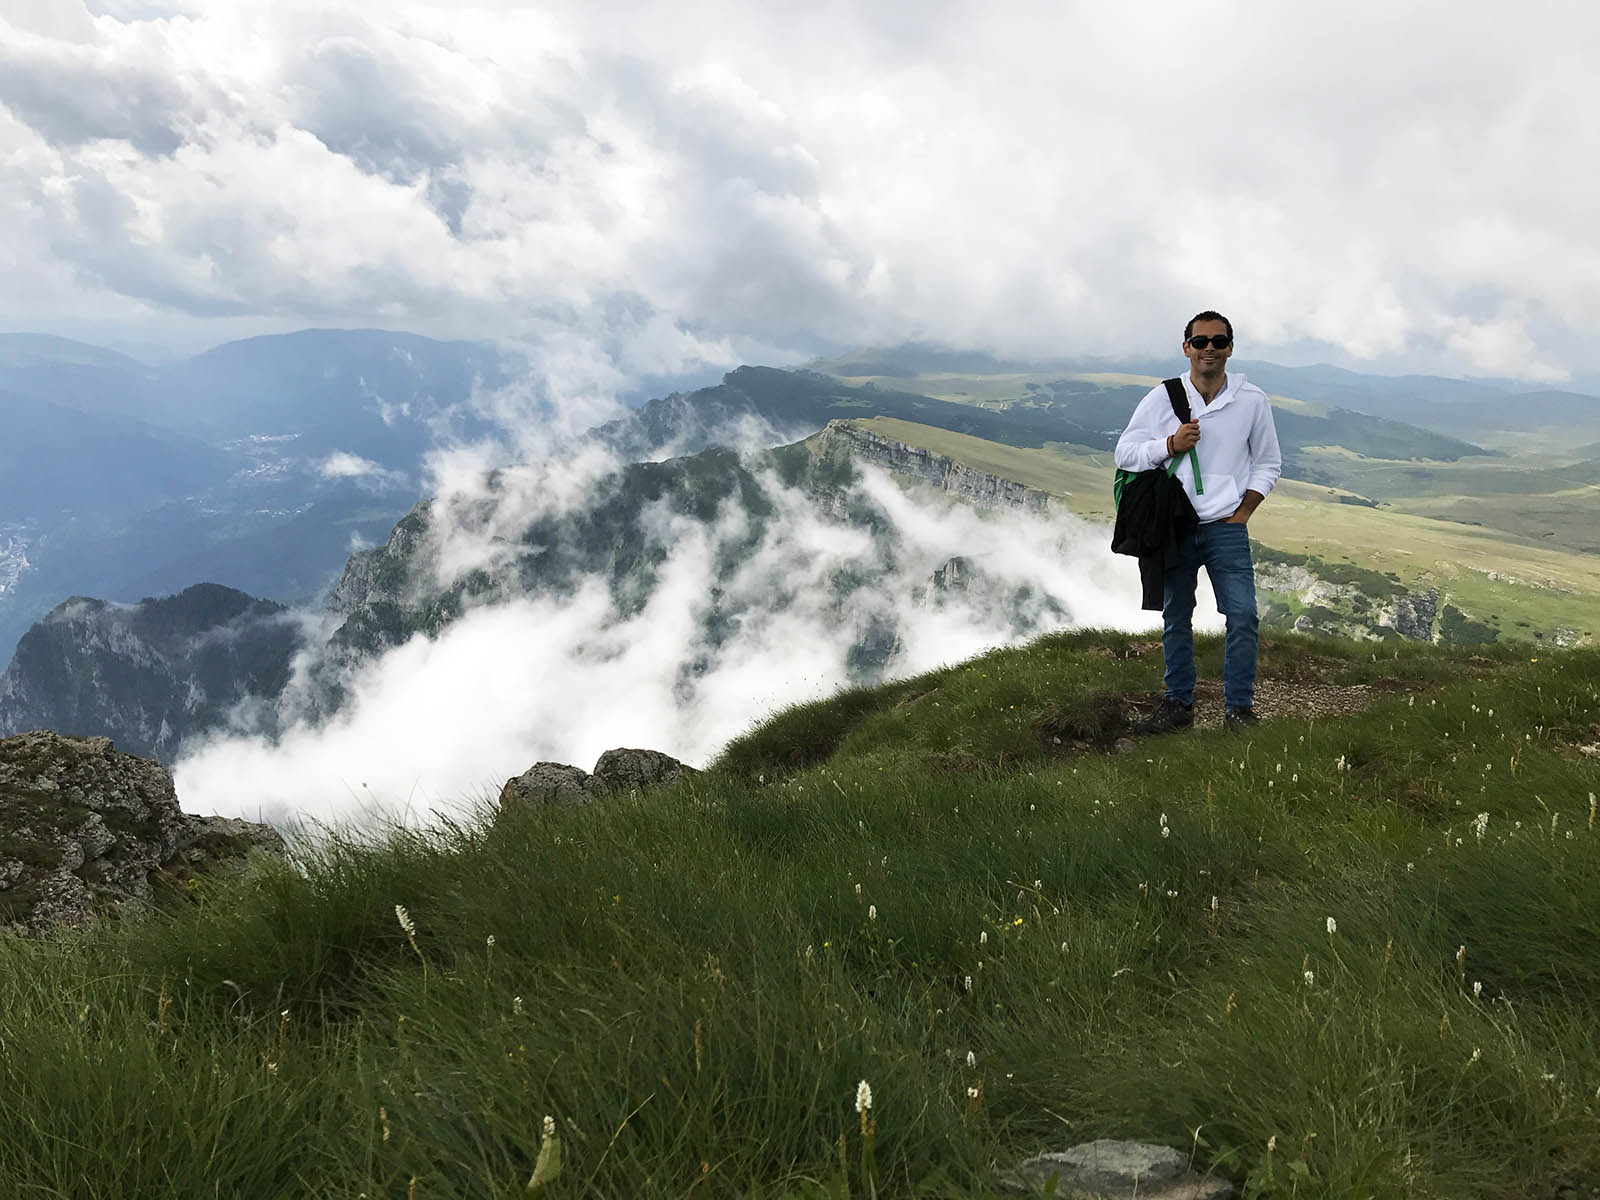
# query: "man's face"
1211, 359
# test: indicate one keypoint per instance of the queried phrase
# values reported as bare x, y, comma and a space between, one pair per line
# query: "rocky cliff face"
149, 674
153, 674
86, 831
943, 474
1306, 596
390, 593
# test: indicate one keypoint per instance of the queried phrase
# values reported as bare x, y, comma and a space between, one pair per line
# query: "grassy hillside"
1350, 954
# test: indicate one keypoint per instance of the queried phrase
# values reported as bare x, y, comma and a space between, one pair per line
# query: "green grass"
693, 983
1523, 495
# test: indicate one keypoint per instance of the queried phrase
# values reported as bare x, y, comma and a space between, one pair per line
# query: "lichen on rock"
87, 831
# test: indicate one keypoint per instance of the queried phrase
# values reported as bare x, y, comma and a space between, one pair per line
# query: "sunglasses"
1220, 340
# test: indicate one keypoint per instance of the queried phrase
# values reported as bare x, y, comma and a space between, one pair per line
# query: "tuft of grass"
1018, 945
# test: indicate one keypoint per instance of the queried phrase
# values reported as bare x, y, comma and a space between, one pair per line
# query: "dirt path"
1289, 698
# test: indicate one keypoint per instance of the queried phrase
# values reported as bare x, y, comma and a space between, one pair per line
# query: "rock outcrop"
966, 483
1413, 614
1113, 1170
85, 831
625, 770
617, 772
549, 783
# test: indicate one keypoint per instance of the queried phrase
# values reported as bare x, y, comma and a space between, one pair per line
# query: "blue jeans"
1223, 549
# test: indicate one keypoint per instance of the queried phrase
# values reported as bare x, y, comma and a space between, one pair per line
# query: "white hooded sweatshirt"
1237, 450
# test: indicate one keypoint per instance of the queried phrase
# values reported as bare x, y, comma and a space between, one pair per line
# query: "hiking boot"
1238, 720
1169, 715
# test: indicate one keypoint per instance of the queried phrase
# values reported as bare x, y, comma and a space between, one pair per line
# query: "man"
1236, 448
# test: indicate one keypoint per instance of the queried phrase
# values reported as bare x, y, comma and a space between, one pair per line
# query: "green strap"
1194, 465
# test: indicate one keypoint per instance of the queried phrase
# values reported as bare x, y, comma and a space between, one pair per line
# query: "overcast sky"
1395, 186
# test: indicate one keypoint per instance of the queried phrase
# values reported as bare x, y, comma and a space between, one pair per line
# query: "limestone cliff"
943, 474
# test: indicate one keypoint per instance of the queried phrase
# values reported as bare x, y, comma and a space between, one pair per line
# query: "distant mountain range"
120, 480
1466, 409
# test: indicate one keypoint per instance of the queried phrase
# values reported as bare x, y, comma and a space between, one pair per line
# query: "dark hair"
1208, 315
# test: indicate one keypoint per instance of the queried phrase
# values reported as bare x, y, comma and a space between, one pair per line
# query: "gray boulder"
550, 783
618, 772
86, 830
624, 770
1112, 1170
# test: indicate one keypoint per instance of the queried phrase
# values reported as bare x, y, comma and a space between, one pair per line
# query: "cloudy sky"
1388, 185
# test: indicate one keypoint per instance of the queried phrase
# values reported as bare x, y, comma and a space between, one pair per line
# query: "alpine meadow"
1351, 953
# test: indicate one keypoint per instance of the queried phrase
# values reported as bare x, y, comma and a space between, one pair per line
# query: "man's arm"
1142, 444
1266, 464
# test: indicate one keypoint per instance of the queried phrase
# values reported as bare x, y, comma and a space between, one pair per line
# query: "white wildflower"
968, 983
516, 1005
972, 1059
549, 1126
972, 1093
1477, 989
1480, 826
1333, 927
863, 1097
1310, 978
401, 915
1476, 1055
983, 937
872, 912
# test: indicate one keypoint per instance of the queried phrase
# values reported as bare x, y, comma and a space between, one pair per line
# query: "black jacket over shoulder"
1155, 515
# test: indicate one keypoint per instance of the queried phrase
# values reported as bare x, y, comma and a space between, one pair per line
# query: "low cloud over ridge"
434, 725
